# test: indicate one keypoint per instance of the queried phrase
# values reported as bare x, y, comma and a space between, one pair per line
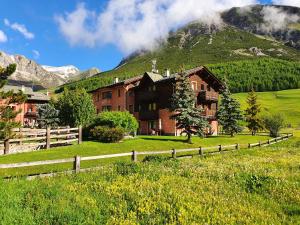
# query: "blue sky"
52, 38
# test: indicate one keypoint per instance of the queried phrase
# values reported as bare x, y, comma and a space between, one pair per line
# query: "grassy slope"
96, 148
196, 51
286, 102
248, 187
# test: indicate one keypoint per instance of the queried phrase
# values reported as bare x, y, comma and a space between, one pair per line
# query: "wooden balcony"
210, 114
205, 96
148, 115
146, 96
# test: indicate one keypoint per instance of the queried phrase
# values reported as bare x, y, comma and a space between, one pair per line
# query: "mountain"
66, 72
29, 73
199, 44
279, 22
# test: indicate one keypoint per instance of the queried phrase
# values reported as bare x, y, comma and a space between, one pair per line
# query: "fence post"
174, 153
237, 147
259, 143
249, 145
6, 146
77, 164
79, 134
200, 151
21, 136
269, 142
220, 148
134, 156
48, 133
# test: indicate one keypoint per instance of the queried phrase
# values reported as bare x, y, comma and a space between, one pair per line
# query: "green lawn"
142, 143
286, 102
257, 186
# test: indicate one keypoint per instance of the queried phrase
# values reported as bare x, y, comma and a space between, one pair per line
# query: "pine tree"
48, 116
229, 113
188, 117
7, 113
254, 122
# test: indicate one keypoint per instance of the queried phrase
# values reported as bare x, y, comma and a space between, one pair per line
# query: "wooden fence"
134, 154
34, 139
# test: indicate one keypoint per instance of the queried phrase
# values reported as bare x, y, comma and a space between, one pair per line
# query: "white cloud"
3, 37
36, 54
138, 24
287, 2
20, 28
275, 19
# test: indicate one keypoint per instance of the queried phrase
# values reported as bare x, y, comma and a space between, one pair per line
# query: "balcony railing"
208, 96
30, 114
147, 96
148, 115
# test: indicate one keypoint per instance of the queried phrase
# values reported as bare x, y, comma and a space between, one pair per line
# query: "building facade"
148, 98
28, 110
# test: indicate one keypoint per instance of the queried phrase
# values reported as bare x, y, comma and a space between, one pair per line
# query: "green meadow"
257, 186
286, 102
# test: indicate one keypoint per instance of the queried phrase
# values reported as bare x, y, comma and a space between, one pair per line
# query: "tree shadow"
163, 139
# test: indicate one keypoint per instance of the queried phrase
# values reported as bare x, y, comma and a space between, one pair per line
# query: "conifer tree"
254, 122
229, 113
48, 116
188, 117
7, 112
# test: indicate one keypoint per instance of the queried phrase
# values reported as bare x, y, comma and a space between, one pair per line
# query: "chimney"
168, 73
23, 88
154, 62
116, 80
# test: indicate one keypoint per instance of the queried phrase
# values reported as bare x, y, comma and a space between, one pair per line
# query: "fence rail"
32, 139
134, 154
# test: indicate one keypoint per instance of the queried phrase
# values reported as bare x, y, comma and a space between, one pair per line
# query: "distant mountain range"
29, 73
248, 33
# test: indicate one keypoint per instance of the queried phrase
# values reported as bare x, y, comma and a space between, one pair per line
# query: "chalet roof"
31, 95
154, 76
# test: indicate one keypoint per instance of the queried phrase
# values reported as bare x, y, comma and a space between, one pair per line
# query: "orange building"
28, 114
148, 97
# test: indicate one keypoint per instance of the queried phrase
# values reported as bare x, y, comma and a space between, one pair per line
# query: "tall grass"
247, 187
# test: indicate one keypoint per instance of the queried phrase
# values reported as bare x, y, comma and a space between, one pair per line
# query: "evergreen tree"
254, 122
76, 108
188, 117
48, 116
7, 112
229, 113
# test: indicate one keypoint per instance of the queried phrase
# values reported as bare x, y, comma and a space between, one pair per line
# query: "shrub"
123, 120
274, 123
107, 134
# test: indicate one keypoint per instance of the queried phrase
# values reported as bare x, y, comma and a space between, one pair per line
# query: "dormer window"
202, 87
194, 86
152, 88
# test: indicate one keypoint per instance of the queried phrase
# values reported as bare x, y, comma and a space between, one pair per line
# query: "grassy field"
142, 143
258, 186
286, 102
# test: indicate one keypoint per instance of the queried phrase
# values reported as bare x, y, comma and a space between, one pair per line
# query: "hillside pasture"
258, 186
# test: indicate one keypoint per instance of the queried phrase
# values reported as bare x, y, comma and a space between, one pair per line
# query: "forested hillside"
196, 45
263, 75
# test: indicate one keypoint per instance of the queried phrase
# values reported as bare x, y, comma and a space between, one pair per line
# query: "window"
152, 88
208, 88
194, 86
131, 108
130, 93
98, 111
98, 97
106, 108
152, 107
107, 95
119, 93
119, 108
202, 87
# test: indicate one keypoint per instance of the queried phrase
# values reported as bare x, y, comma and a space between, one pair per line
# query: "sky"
99, 33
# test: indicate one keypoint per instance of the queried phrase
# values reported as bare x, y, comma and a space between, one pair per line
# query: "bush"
274, 123
123, 120
107, 134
